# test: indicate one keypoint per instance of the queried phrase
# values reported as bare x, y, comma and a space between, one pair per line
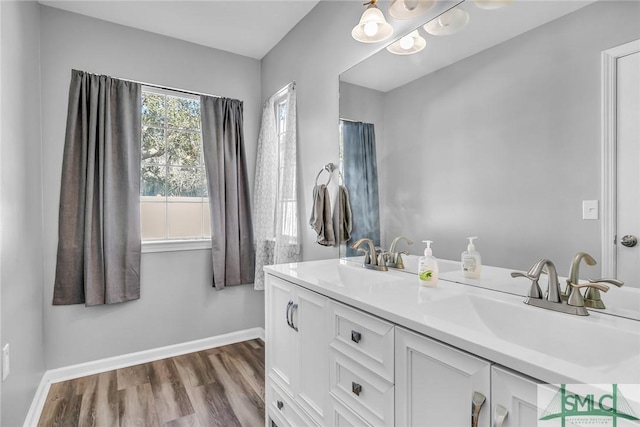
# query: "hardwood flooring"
222, 386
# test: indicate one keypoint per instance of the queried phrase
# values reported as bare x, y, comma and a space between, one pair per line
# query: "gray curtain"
361, 180
228, 188
99, 225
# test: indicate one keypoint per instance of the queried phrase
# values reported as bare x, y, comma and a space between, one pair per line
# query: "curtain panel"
98, 259
228, 190
361, 180
275, 189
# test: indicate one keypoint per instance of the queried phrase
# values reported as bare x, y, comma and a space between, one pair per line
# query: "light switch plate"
589, 209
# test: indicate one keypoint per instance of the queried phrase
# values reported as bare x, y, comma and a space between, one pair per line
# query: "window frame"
176, 244
281, 102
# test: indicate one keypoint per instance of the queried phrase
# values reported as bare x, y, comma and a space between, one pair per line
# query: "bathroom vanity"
347, 346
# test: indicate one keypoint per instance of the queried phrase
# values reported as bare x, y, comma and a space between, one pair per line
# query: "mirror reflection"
493, 131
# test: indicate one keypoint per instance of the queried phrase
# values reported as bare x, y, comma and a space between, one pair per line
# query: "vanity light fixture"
409, 44
449, 22
372, 27
409, 9
491, 4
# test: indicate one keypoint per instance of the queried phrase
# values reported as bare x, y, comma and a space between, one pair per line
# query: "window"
286, 187
173, 191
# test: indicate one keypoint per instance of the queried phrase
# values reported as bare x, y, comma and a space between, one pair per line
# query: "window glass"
173, 195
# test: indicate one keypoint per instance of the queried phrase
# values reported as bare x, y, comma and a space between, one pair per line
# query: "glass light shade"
408, 9
449, 22
407, 45
372, 27
492, 4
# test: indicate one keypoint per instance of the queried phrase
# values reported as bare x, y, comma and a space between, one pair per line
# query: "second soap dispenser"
471, 262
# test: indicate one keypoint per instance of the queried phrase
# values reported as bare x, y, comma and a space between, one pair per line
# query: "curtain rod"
291, 84
189, 92
354, 121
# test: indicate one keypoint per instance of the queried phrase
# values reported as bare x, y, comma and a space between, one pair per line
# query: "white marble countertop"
550, 346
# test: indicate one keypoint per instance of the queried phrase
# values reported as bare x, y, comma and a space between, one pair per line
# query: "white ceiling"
245, 27
385, 71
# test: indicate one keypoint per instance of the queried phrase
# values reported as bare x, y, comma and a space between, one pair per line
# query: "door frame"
608, 153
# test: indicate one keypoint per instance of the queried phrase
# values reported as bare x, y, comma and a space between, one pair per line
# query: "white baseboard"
103, 365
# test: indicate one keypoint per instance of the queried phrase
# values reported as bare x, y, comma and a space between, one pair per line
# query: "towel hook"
329, 167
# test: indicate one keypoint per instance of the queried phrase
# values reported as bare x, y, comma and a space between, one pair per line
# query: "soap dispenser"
471, 263
428, 267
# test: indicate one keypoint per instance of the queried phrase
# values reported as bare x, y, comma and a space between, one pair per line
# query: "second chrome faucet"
552, 300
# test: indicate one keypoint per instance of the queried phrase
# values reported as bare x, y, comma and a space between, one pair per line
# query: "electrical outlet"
5, 362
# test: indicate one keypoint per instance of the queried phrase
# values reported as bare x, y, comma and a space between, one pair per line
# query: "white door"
437, 385
628, 168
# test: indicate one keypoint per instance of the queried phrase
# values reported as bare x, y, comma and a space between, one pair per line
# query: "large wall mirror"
491, 131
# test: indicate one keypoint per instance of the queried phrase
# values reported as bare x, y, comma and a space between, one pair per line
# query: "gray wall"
314, 53
178, 303
21, 219
505, 145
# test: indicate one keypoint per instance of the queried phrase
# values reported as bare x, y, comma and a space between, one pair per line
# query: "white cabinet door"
279, 336
297, 350
310, 317
514, 394
436, 384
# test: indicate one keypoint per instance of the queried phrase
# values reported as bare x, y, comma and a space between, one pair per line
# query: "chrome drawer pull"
280, 404
476, 405
356, 388
500, 414
356, 336
288, 309
294, 308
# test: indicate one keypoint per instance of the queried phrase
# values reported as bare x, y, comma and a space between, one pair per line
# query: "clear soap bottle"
428, 267
471, 261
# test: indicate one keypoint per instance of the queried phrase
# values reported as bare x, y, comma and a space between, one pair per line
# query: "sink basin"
587, 341
347, 274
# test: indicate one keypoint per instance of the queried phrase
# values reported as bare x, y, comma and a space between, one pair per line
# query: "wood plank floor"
222, 386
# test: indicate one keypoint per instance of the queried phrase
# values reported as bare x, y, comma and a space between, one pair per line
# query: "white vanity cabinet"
435, 383
513, 398
297, 354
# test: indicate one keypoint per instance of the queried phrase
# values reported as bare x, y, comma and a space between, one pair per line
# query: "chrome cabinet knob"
356, 336
280, 404
356, 388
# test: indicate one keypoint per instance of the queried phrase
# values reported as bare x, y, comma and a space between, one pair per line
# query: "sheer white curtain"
275, 191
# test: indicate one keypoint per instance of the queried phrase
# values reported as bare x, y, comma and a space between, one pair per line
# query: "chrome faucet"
553, 286
574, 272
372, 260
551, 299
394, 258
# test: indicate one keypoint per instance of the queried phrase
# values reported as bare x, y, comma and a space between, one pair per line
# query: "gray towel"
344, 215
321, 220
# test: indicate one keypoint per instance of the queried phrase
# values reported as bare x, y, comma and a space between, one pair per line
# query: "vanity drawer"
341, 416
364, 338
283, 410
369, 395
